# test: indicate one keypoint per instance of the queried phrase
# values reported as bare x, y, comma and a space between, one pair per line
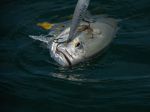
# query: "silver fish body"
89, 41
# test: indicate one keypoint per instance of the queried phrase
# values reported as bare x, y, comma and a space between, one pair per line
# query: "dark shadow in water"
131, 53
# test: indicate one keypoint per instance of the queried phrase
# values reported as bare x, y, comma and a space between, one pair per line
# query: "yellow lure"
45, 25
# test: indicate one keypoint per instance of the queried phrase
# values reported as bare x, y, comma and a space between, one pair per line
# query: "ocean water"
117, 81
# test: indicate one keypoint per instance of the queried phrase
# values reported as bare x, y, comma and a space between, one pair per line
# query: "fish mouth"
65, 54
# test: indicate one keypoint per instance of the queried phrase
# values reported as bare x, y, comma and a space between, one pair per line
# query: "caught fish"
90, 41
83, 40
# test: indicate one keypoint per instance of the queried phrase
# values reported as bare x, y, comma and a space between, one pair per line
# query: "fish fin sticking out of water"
42, 38
79, 12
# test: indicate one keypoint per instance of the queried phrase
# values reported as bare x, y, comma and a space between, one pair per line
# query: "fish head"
69, 54
85, 44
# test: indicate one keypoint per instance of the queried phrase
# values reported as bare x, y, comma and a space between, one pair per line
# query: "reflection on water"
71, 77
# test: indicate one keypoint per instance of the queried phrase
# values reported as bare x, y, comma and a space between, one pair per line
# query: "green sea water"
117, 81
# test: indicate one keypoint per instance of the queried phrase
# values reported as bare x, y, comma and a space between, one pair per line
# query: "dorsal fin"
80, 10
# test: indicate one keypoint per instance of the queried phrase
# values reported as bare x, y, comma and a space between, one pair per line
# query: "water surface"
30, 81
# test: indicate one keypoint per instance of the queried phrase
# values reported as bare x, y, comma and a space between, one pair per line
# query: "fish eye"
77, 44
